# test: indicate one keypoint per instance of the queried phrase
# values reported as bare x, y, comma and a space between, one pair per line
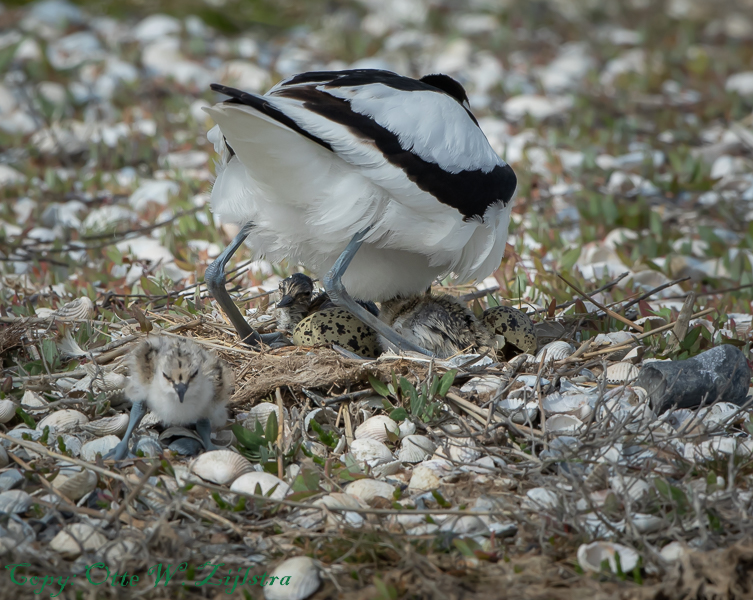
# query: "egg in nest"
337, 326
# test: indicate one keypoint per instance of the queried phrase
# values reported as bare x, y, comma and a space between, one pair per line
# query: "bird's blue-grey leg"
340, 297
119, 452
204, 429
215, 279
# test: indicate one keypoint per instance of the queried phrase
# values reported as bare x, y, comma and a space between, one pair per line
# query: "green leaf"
379, 387
440, 499
271, 429
446, 382
30, 423
399, 414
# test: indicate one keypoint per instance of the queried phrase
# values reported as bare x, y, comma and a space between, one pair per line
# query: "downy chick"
181, 383
298, 300
437, 322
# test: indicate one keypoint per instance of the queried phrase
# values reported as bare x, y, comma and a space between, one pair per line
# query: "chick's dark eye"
166, 376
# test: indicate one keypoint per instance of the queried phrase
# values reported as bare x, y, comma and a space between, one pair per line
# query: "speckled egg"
516, 328
337, 326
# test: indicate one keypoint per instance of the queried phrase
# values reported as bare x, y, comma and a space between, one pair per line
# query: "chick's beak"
180, 389
286, 300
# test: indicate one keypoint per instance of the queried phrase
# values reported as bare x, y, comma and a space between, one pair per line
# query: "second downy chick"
437, 322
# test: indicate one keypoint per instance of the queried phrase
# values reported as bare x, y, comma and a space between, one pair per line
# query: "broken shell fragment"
77, 538
370, 452
302, 577
220, 466
99, 446
555, 351
74, 482
591, 556
622, 372
14, 501
80, 309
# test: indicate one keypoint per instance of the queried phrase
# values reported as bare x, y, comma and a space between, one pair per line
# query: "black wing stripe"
469, 192
258, 102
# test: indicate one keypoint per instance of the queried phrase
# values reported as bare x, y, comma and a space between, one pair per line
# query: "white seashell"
74, 482
10, 478
32, 402
518, 410
428, 475
633, 487
386, 468
320, 415
563, 425
99, 446
591, 556
484, 386
678, 417
72, 444
407, 428
340, 500
415, 448
15, 501
370, 452
7, 410
540, 498
644, 523
377, 428
673, 551
558, 350
368, 489
4, 460
459, 450
266, 481
622, 372
261, 413
116, 425
423, 529
81, 309
77, 538
148, 446
220, 466
298, 578
464, 525
63, 421
150, 420
118, 551
571, 404
719, 415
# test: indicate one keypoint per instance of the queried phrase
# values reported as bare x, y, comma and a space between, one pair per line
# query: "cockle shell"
558, 350
116, 425
304, 579
484, 386
518, 410
261, 413
633, 487
464, 525
76, 538
407, 428
540, 498
74, 482
148, 446
99, 446
591, 556
370, 452
15, 501
220, 466
368, 489
563, 425
460, 450
63, 421
265, 481
377, 428
7, 410
322, 416
622, 372
10, 478
80, 309
415, 448
32, 402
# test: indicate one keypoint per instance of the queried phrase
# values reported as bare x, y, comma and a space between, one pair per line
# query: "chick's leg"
204, 429
340, 297
119, 452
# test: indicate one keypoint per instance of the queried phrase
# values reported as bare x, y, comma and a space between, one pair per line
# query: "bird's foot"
119, 452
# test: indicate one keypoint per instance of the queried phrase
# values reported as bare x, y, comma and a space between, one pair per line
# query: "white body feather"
307, 202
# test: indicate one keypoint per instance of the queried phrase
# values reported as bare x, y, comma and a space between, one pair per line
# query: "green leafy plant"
422, 403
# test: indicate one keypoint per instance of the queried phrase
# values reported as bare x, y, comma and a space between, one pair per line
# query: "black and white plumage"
325, 156
180, 382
